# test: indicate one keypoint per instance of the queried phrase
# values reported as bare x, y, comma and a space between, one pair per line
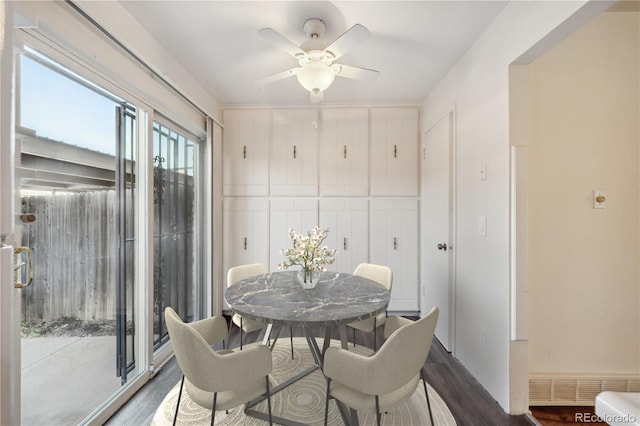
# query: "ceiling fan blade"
279, 40
316, 97
279, 76
356, 73
347, 41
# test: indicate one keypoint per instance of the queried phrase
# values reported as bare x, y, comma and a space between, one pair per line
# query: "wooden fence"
74, 247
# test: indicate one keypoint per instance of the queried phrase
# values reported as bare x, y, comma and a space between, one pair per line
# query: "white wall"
584, 280
478, 89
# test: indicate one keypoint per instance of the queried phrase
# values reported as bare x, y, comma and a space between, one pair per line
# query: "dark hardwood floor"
566, 416
468, 401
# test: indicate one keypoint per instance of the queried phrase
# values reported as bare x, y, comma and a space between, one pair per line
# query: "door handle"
19, 265
442, 246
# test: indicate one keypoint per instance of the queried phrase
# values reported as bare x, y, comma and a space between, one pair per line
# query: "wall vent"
576, 390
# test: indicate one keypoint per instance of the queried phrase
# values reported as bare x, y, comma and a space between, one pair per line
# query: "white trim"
215, 231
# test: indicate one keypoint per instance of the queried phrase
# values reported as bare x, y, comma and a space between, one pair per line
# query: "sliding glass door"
118, 233
76, 169
177, 280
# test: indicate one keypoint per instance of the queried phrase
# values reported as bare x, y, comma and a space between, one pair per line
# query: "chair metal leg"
326, 403
426, 394
175, 416
213, 408
269, 401
378, 413
291, 337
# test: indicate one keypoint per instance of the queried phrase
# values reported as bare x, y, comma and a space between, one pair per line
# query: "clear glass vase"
307, 278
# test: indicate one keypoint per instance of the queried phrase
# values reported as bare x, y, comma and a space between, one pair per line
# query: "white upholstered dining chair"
385, 379
384, 276
217, 380
248, 325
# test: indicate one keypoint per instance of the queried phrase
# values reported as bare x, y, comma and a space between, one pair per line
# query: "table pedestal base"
318, 357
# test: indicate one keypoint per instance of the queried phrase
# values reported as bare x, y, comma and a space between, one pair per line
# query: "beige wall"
584, 282
477, 89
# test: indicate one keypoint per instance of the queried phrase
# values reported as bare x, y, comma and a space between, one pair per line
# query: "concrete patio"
65, 378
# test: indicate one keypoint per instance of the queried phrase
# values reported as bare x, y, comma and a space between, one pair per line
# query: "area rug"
304, 401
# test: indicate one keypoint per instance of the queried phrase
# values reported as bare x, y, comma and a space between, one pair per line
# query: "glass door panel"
75, 165
176, 273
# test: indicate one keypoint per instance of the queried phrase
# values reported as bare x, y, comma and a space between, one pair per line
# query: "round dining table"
279, 300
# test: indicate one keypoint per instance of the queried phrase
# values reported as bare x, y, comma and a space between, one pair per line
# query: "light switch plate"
483, 171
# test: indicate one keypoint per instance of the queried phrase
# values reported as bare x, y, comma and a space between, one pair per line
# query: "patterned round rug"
303, 401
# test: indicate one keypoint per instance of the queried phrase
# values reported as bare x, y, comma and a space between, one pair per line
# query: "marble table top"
278, 298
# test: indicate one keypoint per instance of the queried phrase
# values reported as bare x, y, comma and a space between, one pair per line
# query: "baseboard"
548, 389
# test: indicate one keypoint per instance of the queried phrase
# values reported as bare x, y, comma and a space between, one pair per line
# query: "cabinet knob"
244, 151
395, 151
345, 243
245, 243
345, 151
442, 246
294, 151
395, 243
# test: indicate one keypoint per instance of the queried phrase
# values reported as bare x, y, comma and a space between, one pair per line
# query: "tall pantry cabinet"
352, 170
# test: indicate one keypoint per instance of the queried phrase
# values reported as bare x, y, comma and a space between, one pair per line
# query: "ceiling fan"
317, 70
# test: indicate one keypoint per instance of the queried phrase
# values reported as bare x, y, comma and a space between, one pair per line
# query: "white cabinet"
394, 151
352, 170
245, 232
348, 223
294, 152
394, 242
344, 152
245, 152
299, 213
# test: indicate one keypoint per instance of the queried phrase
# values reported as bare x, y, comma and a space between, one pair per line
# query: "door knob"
442, 246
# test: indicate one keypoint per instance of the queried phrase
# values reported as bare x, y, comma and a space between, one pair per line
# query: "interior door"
437, 227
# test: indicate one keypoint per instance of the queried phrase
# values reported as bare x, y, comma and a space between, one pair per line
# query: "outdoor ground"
69, 327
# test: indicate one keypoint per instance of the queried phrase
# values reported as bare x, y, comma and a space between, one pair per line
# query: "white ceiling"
412, 45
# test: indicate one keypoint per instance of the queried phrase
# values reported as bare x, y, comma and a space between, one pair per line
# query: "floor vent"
576, 390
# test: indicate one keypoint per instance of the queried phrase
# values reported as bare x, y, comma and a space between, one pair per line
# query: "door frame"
9, 329
451, 252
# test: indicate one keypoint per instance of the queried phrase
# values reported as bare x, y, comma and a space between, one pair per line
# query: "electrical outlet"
482, 226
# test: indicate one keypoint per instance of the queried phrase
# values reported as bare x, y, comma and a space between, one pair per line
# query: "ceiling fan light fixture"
316, 77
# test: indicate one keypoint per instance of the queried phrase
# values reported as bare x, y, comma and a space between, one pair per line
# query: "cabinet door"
245, 232
294, 152
245, 152
301, 214
394, 242
344, 152
394, 151
348, 223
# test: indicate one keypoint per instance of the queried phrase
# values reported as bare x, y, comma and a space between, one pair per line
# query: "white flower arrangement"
308, 252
